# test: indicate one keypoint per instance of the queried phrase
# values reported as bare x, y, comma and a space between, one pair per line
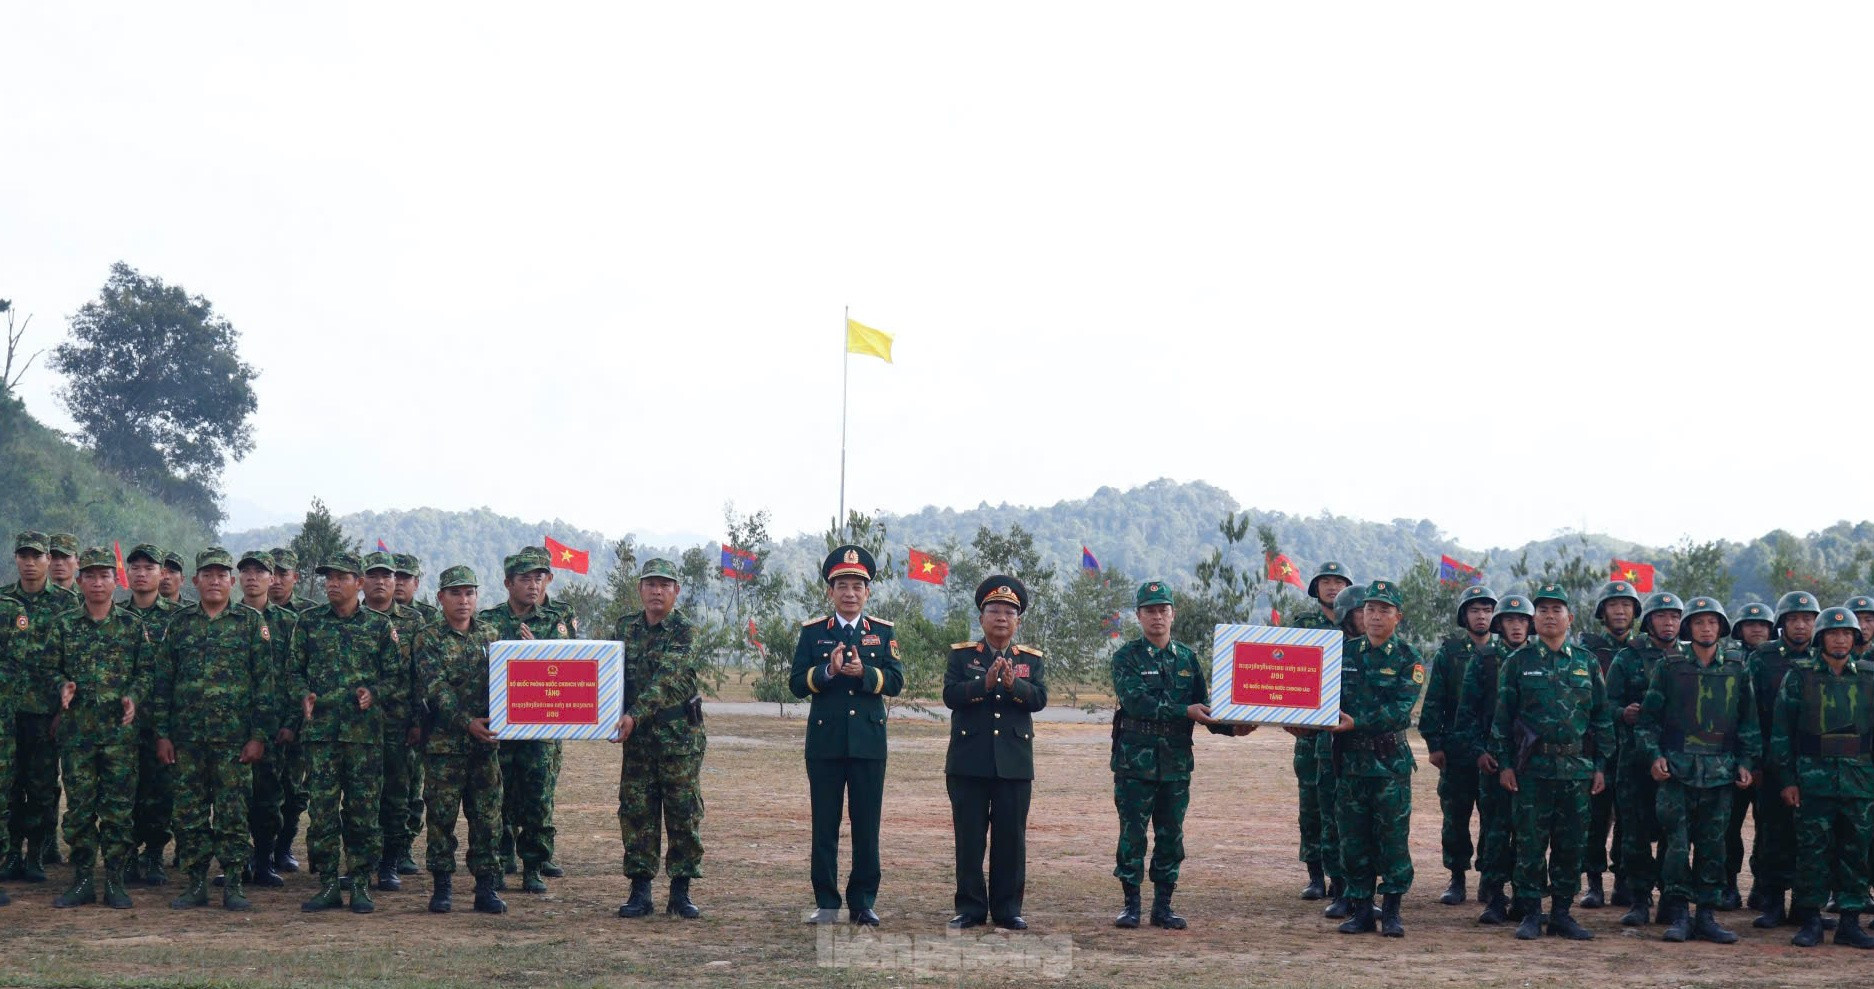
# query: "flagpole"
845, 364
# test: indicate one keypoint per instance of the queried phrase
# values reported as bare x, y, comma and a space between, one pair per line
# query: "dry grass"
1248, 927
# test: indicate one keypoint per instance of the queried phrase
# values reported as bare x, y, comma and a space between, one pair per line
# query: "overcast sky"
590, 261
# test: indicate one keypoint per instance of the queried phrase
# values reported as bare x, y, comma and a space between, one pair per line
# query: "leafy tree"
320, 538
1570, 568
157, 389
1698, 568
621, 585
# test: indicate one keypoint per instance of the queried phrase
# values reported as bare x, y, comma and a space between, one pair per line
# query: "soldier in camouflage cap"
173, 571
35, 797
62, 548
1823, 745
100, 656
526, 766
400, 739
1456, 764
254, 574
1773, 855
283, 612
660, 777
463, 768
216, 705
1329, 580
409, 573
1551, 736
155, 802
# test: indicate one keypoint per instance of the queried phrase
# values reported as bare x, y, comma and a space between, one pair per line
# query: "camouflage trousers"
1457, 798
1773, 846
152, 818
1162, 803
1692, 825
1636, 798
469, 785
1832, 839
527, 799
1375, 821
660, 786
212, 789
100, 787
1551, 818
394, 800
553, 790
1496, 835
295, 782
1741, 801
413, 815
1604, 831
1308, 787
35, 799
345, 781
1327, 785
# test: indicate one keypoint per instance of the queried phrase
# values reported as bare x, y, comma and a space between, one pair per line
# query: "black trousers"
859, 785
982, 808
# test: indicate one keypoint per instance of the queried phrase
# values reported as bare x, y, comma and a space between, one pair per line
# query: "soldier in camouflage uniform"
215, 705
1457, 765
62, 562
35, 797
526, 766
1511, 625
155, 804
1823, 744
1380, 680
16, 633
1751, 628
566, 616
1635, 792
1339, 907
1163, 691
170, 586
283, 613
100, 657
347, 671
255, 574
1615, 607
1773, 858
409, 574
1698, 734
400, 738
1551, 733
409, 578
463, 772
661, 729
1328, 581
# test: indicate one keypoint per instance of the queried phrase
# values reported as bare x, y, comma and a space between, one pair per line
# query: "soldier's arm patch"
561, 627
894, 648
1418, 673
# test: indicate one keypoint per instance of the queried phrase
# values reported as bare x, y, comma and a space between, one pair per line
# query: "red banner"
565, 557
1276, 675
553, 691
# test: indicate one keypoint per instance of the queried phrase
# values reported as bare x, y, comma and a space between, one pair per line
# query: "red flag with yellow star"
1282, 569
1640, 575
565, 557
927, 568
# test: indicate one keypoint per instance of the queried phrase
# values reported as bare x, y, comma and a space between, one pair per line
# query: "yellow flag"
862, 339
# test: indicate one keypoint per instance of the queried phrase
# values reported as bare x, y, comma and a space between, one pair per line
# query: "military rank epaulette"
817, 619
1030, 650
878, 621
972, 644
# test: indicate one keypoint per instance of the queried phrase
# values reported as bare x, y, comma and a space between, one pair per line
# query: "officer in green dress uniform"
1446, 749
992, 688
848, 664
1329, 580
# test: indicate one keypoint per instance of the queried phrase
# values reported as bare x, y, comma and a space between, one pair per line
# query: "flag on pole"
123, 576
862, 339
1087, 562
1640, 575
927, 568
565, 557
1282, 570
1455, 572
739, 564
381, 548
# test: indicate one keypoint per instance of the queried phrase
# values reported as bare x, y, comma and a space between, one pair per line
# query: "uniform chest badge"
561, 627
20, 623
265, 635
869, 640
1021, 669
976, 664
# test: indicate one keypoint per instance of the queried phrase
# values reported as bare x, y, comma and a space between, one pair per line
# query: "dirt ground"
1248, 927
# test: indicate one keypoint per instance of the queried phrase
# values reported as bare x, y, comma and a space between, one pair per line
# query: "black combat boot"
1531, 927
441, 892
1129, 914
387, 878
639, 905
1389, 925
153, 874
1849, 932
1496, 909
1810, 934
1360, 919
260, 868
1620, 897
194, 892
1564, 924
1706, 928
33, 863
1755, 900
115, 896
1596, 896
1517, 907
679, 903
1773, 913
1729, 899
1454, 895
1678, 921
84, 890
551, 869
1642, 910
1338, 906
15, 868
1161, 908
1317, 883
486, 901
283, 860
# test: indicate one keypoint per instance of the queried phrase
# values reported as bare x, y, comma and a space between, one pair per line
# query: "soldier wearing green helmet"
1862, 607
1773, 855
1329, 580
1616, 607
1750, 628
1510, 627
1823, 747
1634, 789
1550, 737
1455, 761
1347, 612
1698, 735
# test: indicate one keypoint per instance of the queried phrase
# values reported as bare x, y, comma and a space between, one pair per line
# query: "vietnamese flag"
565, 557
1640, 575
1282, 570
927, 568
123, 577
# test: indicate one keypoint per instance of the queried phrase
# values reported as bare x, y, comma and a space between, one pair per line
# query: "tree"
320, 538
1698, 568
157, 388
9, 378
